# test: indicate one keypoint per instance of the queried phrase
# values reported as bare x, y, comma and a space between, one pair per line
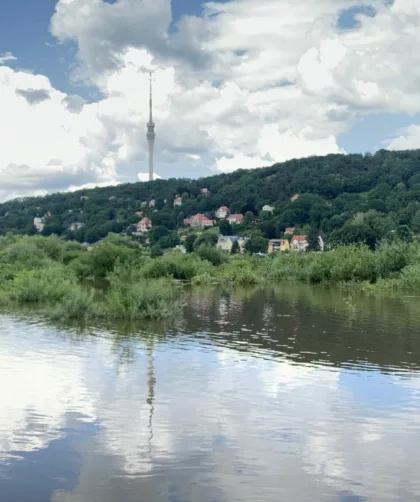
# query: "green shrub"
49, 284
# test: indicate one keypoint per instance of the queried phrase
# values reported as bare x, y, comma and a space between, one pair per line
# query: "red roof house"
222, 212
199, 221
235, 218
144, 225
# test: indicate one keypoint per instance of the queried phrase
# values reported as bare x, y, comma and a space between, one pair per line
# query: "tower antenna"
150, 130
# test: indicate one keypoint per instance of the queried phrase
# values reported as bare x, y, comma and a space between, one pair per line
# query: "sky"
237, 84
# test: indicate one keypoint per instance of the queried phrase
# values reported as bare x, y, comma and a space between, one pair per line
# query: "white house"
268, 209
222, 212
299, 243
226, 242
39, 224
235, 219
144, 225
76, 226
199, 221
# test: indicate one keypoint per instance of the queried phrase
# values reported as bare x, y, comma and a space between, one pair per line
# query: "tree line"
348, 198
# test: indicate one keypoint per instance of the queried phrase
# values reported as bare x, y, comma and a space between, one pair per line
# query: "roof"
146, 221
223, 208
201, 217
299, 238
289, 230
236, 217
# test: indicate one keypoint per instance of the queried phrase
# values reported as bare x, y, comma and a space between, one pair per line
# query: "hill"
350, 198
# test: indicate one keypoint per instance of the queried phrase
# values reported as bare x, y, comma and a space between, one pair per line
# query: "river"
283, 394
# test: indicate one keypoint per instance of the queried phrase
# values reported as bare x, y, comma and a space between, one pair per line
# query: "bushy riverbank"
391, 267
117, 279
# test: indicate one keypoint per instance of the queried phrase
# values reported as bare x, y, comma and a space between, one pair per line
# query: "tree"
157, 233
211, 254
225, 228
313, 242
235, 248
248, 217
206, 239
189, 242
169, 241
256, 244
415, 222
156, 251
404, 234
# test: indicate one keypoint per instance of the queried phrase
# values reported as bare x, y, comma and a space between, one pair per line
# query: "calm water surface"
288, 394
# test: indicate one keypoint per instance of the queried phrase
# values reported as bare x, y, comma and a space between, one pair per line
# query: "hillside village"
300, 205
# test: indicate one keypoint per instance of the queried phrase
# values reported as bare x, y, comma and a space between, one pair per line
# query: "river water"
287, 394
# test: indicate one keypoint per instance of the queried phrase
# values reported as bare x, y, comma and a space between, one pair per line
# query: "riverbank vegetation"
117, 279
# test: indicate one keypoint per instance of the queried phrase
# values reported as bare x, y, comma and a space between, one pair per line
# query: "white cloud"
249, 83
145, 176
406, 139
6, 56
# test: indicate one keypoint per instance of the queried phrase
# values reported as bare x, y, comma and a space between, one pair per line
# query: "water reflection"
265, 396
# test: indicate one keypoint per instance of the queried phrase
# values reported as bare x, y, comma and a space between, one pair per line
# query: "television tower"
150, 131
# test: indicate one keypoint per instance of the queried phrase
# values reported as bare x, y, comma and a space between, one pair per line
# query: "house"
204, 191
144, 225
299, 243
268, 209
144, 204
225, 242
178, 201
76, 226
199, 221
295, 197
289, 231
84, 197
39, 224
276, 245
222, 212
139, 213
112, 197
235, 218
152, 203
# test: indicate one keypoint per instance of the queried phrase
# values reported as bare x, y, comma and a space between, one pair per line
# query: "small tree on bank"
235, 248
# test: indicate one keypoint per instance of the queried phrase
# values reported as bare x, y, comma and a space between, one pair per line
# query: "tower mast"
150, 131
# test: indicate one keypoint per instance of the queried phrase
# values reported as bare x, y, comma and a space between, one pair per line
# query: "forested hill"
347, 197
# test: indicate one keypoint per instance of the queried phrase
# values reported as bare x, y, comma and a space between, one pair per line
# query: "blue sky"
219, 99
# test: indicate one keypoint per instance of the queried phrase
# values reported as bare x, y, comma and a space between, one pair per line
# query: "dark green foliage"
211, 254
235, 248
404, 233
382, 190
169, 241
207, 238
313, 242
189, 242
225, 228
156, 251
256, 244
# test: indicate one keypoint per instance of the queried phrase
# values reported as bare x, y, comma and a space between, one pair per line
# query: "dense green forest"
349, 198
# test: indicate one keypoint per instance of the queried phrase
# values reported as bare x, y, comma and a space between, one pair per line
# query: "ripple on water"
265, 398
